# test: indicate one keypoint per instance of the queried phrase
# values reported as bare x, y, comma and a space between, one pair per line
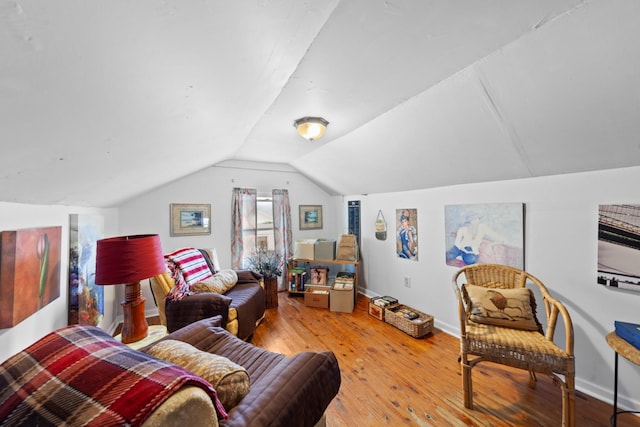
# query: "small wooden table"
154, 333
271, 292
630, 353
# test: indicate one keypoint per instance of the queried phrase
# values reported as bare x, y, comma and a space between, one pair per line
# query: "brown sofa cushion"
230, 380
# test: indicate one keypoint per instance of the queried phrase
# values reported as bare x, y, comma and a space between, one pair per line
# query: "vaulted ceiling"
103, 100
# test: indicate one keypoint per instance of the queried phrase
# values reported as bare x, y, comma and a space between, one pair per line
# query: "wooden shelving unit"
308, 263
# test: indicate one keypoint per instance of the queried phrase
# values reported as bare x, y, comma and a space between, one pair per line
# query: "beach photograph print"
619, 246
490, 233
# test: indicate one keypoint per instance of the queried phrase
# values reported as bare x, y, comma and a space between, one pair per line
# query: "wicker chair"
533, 351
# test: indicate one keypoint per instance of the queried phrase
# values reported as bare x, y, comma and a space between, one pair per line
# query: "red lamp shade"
127, 260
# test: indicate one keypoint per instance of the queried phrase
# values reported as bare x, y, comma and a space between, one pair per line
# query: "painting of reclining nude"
490, 233
619, 246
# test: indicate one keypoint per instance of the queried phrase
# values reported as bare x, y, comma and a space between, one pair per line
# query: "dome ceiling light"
311, 127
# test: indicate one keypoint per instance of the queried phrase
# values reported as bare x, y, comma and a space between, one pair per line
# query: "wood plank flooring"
391, 378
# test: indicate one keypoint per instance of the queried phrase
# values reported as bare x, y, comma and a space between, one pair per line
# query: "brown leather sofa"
284, 391
241, 308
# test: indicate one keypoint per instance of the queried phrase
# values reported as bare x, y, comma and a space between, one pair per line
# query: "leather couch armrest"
248, 276
195, 307
295, 392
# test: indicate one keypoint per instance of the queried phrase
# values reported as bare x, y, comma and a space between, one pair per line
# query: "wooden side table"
630, 353
154, 333
271, 291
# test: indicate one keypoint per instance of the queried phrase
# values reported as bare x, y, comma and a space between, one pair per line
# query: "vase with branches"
267, 262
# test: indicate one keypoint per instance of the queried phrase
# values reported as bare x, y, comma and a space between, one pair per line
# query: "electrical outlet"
407, 282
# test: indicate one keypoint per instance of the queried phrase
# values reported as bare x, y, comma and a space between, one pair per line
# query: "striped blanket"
80, 376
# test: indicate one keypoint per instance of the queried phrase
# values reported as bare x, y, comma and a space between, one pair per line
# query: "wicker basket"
416, 328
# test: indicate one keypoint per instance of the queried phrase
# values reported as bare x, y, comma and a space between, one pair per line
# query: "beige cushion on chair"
187, 404
512, 308
219, 283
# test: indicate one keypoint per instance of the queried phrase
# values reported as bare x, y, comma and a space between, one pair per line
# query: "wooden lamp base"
134, 325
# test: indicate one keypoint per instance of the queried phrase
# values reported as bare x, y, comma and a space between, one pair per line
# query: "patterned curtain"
282, 230
243, 225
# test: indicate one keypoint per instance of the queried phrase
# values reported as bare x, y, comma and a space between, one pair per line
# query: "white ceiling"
103, 100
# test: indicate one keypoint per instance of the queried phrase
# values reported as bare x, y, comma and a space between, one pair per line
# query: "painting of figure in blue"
490, 233
407, 235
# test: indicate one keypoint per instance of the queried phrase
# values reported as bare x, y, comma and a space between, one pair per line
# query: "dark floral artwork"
86, 299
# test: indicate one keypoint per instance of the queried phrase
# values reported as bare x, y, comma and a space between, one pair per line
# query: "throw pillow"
209, 261
512, 308
212, 254
219, 283
230, 380
192, 264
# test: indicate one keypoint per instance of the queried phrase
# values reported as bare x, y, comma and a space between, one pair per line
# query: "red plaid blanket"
79, 376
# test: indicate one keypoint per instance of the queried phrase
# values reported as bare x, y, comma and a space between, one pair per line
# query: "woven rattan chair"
534, 351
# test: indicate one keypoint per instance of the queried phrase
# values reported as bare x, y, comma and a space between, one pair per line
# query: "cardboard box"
304, 249
316, 296
325, 249
341, 300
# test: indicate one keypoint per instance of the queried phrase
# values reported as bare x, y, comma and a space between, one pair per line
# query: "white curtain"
243, 225
282, 231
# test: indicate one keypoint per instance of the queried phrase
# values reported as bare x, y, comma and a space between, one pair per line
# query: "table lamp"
128, 260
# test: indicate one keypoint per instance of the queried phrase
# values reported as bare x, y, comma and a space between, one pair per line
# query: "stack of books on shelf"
297, 279
344, 280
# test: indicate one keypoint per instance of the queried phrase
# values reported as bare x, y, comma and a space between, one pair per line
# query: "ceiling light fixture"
311, 127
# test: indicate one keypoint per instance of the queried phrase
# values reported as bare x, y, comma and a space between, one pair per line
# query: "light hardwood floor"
391, 378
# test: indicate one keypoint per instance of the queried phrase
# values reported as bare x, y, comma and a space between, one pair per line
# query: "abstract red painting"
29, 272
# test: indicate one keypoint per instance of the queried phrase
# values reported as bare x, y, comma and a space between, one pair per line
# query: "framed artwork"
619, 246
407, 235
86, 299
319, 276
262, 242
491, 233
29, 272
190, 219
310, 217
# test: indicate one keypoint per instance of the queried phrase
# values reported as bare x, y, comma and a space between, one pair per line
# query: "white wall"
561, 220
560, 248
15, 216
150, 213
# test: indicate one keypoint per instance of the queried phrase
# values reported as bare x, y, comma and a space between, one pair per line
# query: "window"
259, 221
264, 223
